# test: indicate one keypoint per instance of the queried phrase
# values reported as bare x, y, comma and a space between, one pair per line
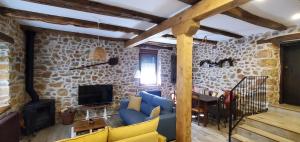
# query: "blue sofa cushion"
165, 104
131, 116
155, 92
146, 97
124, 104
146, 108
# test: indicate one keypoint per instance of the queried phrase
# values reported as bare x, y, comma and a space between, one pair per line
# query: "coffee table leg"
73, 133
104, 113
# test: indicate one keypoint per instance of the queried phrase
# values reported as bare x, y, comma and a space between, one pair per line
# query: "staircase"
280, 124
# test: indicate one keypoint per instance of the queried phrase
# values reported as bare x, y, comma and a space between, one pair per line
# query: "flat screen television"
95, 94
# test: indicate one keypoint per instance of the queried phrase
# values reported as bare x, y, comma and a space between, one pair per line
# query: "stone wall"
251, 60
57, 53
12, 65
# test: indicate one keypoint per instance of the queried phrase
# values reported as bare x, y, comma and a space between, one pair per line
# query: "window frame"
149, 52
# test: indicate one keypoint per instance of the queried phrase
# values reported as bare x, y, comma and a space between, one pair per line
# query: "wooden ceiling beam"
209, 29
220, 32
6, 38
99, 8
190, 2
197, 12
156, 45
246, 16
280, 39
20, 14
37, 29
195, 39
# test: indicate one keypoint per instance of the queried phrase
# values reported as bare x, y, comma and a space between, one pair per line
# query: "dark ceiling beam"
6, 38
102, 9
156, 45
220, 32
20, 14
195, 39
246, 16
36, 29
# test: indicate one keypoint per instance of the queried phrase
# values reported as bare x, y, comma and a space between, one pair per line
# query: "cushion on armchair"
125, 132
135, 103
131, 116
146, 108
165, 104
146, 97
99, 136
148, 137
155, 112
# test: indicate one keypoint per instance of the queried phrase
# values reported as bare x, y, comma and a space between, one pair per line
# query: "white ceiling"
161, 8
277, 10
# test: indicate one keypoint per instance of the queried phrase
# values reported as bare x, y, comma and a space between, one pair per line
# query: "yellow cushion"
155, 112
161, 138
99, 136
135, 103
149, 137
124, 132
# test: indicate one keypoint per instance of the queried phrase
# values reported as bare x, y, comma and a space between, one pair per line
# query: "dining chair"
219, 111
197, 109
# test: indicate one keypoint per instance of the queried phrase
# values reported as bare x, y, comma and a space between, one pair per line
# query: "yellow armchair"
141, 132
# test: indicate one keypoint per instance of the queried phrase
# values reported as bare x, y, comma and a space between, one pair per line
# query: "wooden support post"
184, 32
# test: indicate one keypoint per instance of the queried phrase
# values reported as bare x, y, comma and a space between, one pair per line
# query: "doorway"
290, 76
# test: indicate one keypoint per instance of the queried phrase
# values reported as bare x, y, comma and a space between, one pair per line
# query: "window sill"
4, 109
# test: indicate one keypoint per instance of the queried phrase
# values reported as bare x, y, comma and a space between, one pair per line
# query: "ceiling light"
296, 16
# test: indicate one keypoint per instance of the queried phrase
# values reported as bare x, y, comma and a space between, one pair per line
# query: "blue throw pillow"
146, 97
165, 104
146, 108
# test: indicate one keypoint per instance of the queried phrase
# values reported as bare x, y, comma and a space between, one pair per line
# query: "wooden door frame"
282, 47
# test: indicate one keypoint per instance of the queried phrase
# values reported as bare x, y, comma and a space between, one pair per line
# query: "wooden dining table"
206, 101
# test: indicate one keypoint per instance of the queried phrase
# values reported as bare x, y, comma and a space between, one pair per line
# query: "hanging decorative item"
98, 53
220, 63
111, 61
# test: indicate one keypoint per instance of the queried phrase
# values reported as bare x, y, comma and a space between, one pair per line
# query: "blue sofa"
167, 122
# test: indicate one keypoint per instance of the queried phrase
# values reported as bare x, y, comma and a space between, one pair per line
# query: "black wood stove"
39, 113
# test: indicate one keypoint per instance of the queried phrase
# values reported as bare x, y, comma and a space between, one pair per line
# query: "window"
148, 67
4, 80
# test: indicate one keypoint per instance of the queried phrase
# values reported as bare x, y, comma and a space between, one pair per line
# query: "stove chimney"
29, 56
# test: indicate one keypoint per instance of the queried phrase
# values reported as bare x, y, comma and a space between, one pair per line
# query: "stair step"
271, 128
240, 138
286, 109
260, 135
282, 121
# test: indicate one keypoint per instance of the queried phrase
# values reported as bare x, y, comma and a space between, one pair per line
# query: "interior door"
290, 73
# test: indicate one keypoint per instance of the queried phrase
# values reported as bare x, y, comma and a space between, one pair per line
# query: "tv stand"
89, 107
